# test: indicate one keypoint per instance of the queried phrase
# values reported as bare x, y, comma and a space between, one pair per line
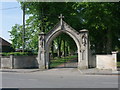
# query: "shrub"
18, 54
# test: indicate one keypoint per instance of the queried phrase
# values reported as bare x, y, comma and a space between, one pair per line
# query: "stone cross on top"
61, 17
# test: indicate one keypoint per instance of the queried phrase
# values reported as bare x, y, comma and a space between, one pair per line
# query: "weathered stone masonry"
80, 38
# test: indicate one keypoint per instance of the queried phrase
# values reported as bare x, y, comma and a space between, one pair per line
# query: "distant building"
5, 46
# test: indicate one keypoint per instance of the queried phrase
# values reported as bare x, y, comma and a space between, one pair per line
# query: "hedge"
18, 53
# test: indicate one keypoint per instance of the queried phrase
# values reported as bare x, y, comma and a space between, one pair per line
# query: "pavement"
93, 71
20, 70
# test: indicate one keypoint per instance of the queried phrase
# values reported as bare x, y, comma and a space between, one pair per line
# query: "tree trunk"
109, 41
52, 49
64, 48
59, 46
67, 49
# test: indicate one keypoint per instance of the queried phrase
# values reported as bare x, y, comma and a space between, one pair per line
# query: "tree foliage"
16, 36
101, 19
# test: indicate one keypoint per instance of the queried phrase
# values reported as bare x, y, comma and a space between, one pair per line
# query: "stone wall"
103, 61
18, 62
107, 61
21, 62
92, 60
5, 62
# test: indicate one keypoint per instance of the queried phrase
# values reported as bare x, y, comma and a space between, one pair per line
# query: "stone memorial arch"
80, 38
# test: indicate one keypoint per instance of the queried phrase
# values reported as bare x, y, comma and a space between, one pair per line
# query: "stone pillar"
42, 51
12, 61
84, 53
0, 60
114, 58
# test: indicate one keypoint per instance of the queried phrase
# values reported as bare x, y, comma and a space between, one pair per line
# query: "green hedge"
18, 54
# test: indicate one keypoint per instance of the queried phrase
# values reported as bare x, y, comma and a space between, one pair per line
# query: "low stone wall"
22, 62
5, 62
107, 61
18, 62
92, 60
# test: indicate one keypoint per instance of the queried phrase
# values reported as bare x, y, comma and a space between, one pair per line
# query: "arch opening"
65, 57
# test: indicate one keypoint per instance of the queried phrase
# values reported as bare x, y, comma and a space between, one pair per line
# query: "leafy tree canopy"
101, 19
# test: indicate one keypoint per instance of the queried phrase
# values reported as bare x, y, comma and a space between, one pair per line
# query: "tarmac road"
57, 78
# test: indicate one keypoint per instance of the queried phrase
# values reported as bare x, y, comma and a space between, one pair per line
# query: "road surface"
58, 78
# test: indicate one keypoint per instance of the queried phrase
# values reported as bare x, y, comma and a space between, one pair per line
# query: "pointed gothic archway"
80, 38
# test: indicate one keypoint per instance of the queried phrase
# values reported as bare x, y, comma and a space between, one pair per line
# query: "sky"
10, 14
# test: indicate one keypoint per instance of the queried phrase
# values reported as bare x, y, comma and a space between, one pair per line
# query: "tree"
102, 21
45, 15
31, 37
16, 36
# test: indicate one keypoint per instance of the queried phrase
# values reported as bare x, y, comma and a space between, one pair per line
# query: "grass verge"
118, 64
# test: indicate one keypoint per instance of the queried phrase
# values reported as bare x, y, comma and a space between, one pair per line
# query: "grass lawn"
58, 61
118, 64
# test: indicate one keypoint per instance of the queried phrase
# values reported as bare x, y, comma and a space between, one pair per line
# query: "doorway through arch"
63, 52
